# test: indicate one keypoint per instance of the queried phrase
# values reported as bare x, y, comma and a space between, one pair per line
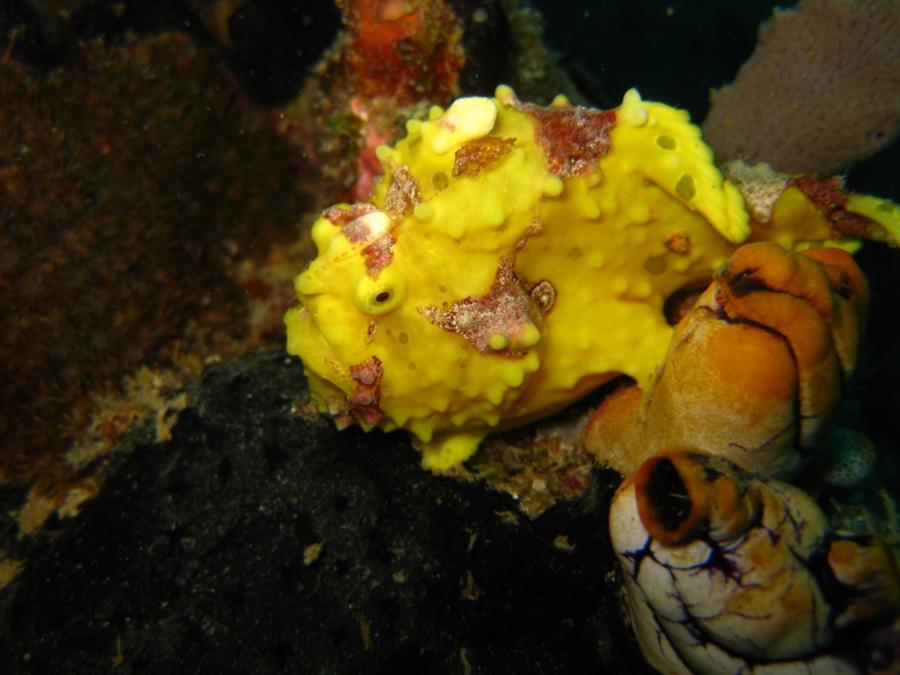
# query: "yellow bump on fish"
465, 120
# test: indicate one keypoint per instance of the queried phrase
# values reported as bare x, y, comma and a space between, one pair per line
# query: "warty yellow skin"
508, 290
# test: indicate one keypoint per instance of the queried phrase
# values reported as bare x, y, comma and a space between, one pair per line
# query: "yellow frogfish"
514, 257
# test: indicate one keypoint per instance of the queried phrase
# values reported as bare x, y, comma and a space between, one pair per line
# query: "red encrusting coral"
408, 50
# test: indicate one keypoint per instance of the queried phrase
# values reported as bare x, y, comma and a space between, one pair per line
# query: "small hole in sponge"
684, 188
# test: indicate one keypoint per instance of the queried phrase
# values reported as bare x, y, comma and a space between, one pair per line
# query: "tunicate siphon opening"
681, 301
668, 496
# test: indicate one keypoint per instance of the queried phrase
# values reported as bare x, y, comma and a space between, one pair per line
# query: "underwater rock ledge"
260, 541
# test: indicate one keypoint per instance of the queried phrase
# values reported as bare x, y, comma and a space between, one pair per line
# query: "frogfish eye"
381, 295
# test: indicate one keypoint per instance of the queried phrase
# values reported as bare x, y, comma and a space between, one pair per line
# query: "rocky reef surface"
258, 540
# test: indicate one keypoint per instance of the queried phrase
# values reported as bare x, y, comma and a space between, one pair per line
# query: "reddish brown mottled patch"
506, 309
678, 242
364, 400
357, 231
541, 464
379, 254
826, 193
340, 217
476, 156
829, 197
402, 195
573, 139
